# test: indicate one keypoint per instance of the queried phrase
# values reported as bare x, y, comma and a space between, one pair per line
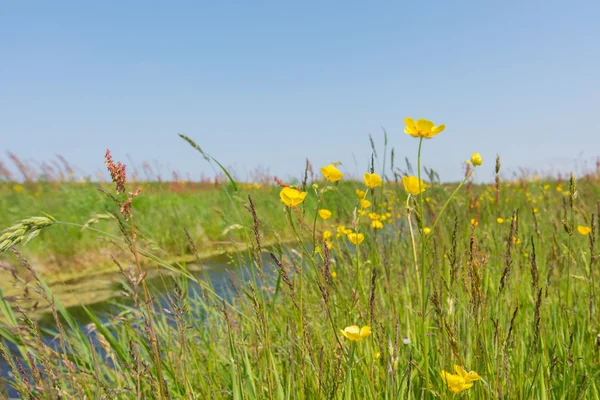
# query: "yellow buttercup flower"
377, 224
365, 203
291, 197
326, 235
372, 180
584, 230
356, 238
426, 230
341, 230
500, 220
411, 184
476, 159
18, 188
422, 128
356, 334
360, 194
328, 244
333, 274
460, 381
331, 173
324, 213
474, 222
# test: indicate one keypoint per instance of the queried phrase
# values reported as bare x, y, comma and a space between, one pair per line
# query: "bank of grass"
510, 289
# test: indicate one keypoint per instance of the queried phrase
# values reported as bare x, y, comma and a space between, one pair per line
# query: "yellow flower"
331, 173
500, 220
377, 355
411, 184
365, 203
372, 180
426, 230
461, 381
326, 235
360, 194
476, 159
474, 222
324, 213
333, 274
291, 197
18, 188
377, 224
516, 240
584, 230
356, 334
535, 210
356, 238
360, 213
328, 244
422, 128
546, 186
315, 186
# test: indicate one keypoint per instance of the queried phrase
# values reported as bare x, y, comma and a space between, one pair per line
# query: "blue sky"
267, 84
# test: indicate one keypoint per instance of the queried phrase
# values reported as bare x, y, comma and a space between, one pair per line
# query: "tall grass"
504, 285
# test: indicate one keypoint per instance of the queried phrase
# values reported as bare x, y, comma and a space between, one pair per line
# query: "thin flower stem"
423, 273
412, 238
448, 201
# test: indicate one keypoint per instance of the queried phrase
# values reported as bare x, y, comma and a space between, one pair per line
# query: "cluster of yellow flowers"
378, 215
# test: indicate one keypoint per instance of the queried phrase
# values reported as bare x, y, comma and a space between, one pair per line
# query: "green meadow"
391, 285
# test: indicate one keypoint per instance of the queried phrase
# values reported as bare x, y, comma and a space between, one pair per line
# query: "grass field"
462, 290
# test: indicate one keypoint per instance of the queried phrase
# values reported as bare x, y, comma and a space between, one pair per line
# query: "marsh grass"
514, 301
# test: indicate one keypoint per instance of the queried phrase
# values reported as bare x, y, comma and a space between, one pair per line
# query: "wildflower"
461, 381
360, 194
291, 197
373, 215
516, 240
411, 184
355, 238
377, 224
426, 230
365, 203
584, 230
377, 355
326, 235
474, 222
18, 188
315, 186
324, 213
372, 180
333, 274
356, 334
329, 244
422, 128
500, 220
546, 186
360, 213
476, 159
535, 210
331, 173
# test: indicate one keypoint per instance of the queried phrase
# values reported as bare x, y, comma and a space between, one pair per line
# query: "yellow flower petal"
324, 213
331, 173
584, 230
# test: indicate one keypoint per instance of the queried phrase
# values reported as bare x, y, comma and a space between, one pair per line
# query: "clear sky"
267, 84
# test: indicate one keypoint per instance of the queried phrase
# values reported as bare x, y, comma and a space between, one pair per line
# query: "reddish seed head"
117, 172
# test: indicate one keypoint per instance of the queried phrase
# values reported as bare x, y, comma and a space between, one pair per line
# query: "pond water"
218, 270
